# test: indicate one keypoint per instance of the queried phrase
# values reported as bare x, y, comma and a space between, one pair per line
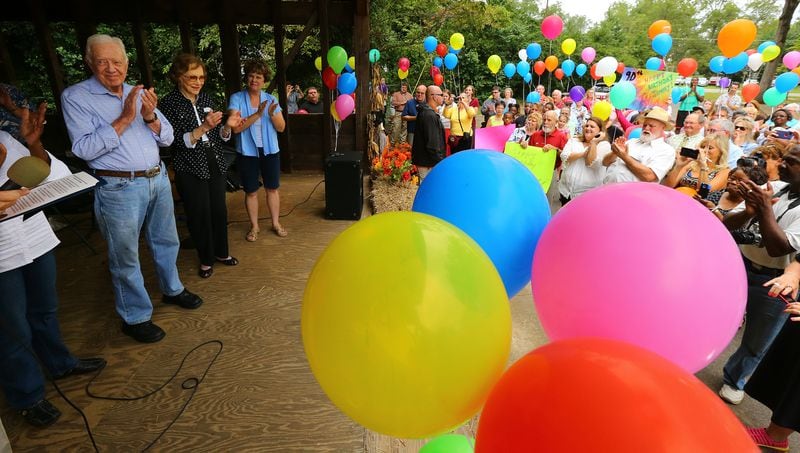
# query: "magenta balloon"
344, 106
588, 54
552, 27
791, 59
643, 264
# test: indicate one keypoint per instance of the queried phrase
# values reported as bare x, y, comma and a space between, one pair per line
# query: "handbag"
453, 140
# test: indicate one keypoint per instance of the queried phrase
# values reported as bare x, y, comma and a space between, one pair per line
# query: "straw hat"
660, 115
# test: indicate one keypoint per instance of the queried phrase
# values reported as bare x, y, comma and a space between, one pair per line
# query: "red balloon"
438, 79
434, 71
329, 77
593, 72
637, 401
750, 91
302, 112
620, 67
403, 63
559, 73
750, 52
539, 67
687, 67
441, 49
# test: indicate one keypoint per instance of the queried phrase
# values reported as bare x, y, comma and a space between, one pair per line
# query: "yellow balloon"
602, 110
318, 63
770, 53
551, 63
610, 79
494, 63
352, 62
334, 113
457, 41
568, 46
406, 333
402, 74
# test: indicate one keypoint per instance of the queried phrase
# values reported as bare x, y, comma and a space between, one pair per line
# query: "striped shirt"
89, 109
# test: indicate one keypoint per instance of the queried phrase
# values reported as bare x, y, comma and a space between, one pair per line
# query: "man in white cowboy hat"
647, 158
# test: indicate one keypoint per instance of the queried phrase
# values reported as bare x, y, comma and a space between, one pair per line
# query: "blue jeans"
763, 321
28, 323
124, 207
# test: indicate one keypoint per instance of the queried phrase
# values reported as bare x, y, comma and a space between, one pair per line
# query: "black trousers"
206, 214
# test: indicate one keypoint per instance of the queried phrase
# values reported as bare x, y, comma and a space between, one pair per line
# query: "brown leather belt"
149, 173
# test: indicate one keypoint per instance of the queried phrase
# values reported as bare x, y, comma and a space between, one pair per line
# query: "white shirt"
577, 177
789, 223
685, 141
656, 155
22, 241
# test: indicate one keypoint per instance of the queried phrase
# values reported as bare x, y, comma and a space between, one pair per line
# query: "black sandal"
230, 261
205, 273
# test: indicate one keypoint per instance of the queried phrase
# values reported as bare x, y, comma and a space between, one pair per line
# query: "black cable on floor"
286, 214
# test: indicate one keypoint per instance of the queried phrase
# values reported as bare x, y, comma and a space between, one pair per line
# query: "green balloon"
773, 97
449, 443
374, 55
337, 58
622, 94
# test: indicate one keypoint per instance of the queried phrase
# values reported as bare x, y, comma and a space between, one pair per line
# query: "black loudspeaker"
344, 186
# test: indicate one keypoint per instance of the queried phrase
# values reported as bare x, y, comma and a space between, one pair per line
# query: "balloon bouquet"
339, 75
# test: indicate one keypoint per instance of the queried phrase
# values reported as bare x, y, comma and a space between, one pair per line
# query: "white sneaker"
730, 394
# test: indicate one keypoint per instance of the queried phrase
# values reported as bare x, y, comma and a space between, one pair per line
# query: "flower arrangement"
395, 164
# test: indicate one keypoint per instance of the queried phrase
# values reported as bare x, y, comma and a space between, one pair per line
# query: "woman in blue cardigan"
257, 144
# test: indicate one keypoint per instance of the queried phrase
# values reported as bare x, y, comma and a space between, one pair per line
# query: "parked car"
714, 81
702, 81
680, 80
749, 81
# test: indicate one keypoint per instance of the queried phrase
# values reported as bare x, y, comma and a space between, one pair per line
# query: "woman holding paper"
583, 161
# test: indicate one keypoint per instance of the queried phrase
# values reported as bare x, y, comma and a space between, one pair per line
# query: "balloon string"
420, 76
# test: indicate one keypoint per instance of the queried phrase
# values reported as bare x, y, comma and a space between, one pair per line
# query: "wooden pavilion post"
231, 64
52, 64
280, 76
361, 52
142, 53
7, 73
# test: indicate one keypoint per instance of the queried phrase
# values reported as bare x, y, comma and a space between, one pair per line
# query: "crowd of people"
741, 163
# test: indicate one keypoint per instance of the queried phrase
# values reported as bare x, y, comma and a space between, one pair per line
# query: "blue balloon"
450, 61
786, 82
734, 64
676, 95
533, 50
347, 68
346, 83
568, 66
715, 64
635, 133
653, 64
533, 97
438, 62
580, 70
764, 45
662, 43
509, 70
454, 50
523, 68
500, 205
430, 44
528, 77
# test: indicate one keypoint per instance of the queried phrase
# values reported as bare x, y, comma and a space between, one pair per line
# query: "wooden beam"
187, 44
8, 74
361, 52
52, 64
142, 54
280, 76
325, 43
305, 33
231, 64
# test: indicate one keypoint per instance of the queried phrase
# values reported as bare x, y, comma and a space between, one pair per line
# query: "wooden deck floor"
260, 394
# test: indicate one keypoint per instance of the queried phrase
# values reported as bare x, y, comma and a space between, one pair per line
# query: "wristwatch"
146, 121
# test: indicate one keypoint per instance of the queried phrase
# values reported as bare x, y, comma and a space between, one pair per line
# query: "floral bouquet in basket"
395, 164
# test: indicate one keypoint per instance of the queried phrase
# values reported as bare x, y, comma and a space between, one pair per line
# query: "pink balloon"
344, 106
643, 264
791, 59
552, 27
302, 112
588, 54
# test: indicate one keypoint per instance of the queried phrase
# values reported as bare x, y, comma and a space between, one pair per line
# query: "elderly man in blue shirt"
116, 129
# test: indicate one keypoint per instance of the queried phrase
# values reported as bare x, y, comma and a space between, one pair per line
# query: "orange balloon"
559, 73
593, 72
686, 191
796, 70
658, 27
736, 36
539, 67
620, 67
551, 63
637, 401
750, 91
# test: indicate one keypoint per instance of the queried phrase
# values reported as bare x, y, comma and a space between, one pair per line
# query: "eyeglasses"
437, 94
740, 128
748, 162
194, 78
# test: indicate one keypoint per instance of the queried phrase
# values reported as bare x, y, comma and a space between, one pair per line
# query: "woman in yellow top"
497, 118
460, 114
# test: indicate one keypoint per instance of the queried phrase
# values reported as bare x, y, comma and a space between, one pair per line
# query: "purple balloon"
577, 93
724, 82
